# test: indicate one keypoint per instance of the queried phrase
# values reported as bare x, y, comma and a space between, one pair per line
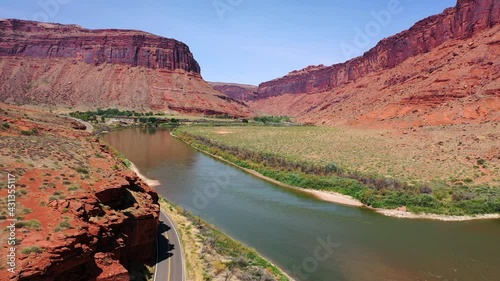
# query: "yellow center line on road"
169, 259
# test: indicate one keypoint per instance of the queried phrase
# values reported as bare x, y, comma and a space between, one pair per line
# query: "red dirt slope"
443, 70
81, 214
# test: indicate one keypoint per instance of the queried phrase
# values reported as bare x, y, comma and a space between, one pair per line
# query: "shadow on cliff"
164, 247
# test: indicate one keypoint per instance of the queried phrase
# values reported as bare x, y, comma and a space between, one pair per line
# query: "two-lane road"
88, 127
170, 264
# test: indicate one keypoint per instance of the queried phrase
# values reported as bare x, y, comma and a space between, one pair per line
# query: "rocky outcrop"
103, 240
83, 215
135, 48
460, 22
236, 91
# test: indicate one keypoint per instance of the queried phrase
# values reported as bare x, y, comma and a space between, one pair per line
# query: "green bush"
64, 225
82, 170
30, 132
31, 224
31, 249
73, 187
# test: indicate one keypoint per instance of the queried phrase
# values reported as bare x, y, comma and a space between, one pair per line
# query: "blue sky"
245, 41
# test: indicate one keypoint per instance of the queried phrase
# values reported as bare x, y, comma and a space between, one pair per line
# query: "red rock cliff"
66, 66
465, 19
88, 217
236, 91
42, 40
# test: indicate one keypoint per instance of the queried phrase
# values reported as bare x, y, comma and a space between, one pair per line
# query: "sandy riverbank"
409, 215
342, 199
150, 182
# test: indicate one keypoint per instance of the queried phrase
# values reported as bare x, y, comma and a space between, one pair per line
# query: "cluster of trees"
223, 116
146, 118
110, 112
272, 119
154, 120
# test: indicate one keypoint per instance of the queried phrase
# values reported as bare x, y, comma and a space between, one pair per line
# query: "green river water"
308, 238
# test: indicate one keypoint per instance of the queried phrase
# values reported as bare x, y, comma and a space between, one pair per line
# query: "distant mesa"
69, 67
444, 70
236, 91
463, 21
136, 48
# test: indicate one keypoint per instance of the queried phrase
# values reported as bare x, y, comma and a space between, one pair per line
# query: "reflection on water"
285, 225
147, 149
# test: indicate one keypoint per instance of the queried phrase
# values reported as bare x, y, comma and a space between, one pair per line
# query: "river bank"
211, 253
338, 198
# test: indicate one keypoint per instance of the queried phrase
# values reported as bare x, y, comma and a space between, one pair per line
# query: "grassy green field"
450, 170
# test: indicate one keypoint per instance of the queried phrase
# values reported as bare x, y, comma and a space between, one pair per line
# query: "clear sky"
245, 41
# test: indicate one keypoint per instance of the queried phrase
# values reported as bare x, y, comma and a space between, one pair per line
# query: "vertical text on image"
11, 218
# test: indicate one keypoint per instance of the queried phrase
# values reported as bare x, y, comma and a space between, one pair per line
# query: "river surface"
308, 238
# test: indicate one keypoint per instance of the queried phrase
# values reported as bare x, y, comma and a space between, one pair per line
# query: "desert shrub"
31, 224
64, 225
127, 163
30, 132
31, 249
423, 200
331, 168
73, 187
82, 170
26, 211
425, 189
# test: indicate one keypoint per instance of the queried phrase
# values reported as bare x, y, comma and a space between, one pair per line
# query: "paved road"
170, 264
88, 127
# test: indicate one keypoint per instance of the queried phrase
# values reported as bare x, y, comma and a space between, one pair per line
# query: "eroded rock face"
236, 91
106, 241
42, 40
460, 22
86, 216
66, 66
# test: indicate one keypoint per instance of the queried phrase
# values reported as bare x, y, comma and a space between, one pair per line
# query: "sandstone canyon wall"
444, 70
236, 91
135, 48
467, 18
68, 66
